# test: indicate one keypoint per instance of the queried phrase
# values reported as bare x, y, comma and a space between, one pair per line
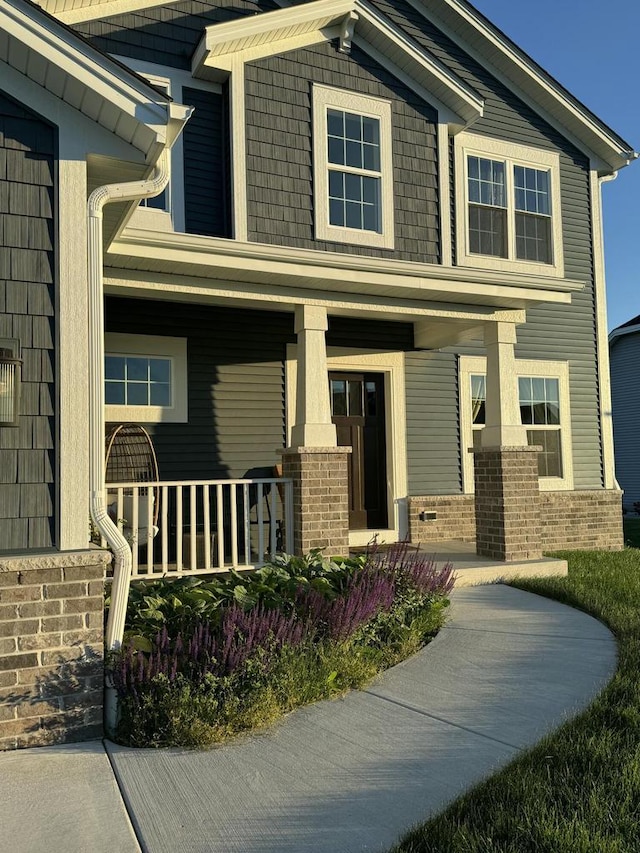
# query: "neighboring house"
624, 355
379, 246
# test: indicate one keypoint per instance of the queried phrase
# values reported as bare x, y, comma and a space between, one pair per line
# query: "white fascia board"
55, 58
288, 28
233, 260
499, 55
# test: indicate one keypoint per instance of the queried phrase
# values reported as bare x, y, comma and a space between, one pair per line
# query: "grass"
578, 791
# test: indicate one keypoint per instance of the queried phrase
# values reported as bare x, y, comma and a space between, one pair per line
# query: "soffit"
55, 58
257, 268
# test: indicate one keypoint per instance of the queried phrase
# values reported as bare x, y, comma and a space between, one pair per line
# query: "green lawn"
578, 791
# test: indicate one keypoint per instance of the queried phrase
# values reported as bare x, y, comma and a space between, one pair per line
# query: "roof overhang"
248, 39
280, 275
621, 331
55, 58
473, 32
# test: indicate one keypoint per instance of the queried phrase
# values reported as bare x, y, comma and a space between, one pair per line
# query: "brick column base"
320, 497
51, 647
507, 503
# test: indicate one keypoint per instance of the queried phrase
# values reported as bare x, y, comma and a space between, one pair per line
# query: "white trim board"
391, 364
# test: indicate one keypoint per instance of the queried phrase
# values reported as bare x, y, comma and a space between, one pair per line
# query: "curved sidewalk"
355, 774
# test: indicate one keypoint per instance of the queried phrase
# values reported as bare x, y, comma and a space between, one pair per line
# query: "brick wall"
320, 498
51, 648
455, 518
582, 520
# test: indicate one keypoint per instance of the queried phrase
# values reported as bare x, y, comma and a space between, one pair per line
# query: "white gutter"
100, 197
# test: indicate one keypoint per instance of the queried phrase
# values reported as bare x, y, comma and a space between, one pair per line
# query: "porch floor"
471, 569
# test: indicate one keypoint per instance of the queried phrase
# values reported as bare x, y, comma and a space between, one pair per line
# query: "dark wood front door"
357, 410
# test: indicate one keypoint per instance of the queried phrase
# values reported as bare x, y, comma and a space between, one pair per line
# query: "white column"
313, 427
503, 427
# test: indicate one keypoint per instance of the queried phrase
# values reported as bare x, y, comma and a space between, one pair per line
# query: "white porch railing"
188, 528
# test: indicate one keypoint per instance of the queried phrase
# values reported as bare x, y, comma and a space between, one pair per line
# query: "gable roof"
57, 59
283, 29
628, 328
466, 26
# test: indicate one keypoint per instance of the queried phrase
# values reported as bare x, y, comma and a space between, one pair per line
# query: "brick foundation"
581, 520
51, 648
507, 503
320, 498
455, 518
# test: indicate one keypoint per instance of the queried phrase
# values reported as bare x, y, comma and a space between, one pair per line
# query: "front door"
357, 410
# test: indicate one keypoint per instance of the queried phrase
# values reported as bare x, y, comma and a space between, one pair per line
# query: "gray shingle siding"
28, 151
625, 401
166, 34
279, 146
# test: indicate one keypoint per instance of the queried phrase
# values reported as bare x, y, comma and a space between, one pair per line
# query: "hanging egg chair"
130, 458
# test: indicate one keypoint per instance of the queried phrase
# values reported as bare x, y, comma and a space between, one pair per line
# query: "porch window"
352, 168
145, 378
508, 206
543, 389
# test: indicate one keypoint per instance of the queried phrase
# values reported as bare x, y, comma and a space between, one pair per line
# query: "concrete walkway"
337, 777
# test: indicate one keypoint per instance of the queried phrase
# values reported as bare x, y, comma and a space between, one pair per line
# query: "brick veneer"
507, 503
455, 518
581, 520
588, 519
320, 497
51, 648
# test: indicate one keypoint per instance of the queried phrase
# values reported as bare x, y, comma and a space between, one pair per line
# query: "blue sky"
593, 49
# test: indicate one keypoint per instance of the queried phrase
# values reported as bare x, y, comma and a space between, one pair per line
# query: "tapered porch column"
317, 466
506, 468
313, 427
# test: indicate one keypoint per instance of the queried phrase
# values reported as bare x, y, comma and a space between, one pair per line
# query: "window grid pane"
486, 182
550, 457
533, 238
353, 141
488, 231
137, 381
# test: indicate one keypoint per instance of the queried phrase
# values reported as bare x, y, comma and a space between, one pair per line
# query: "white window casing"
475, 366
514, 205
168, 354
375, 178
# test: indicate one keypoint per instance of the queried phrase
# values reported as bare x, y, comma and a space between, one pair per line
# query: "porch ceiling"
204, 267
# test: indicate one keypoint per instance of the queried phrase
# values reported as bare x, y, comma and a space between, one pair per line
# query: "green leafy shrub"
207, 659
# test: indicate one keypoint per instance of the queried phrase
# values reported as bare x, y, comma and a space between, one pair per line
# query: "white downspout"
100, 197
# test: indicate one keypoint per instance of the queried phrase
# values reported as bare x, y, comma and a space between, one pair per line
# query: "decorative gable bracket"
346, 31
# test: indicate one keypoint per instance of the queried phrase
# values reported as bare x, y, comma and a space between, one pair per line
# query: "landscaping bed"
204, 660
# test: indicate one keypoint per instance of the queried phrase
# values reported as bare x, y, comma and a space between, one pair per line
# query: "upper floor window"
353, 168
508, 206
543, 389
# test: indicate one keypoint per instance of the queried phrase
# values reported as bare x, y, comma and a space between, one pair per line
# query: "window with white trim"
508, 206
543, 388
145, 378
353, 168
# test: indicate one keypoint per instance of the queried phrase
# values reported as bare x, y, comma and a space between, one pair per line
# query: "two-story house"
354, 246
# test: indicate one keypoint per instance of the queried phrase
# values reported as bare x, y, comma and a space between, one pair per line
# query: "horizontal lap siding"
206, 202
625, 400
28, 151
558, 332
168, 34
433, 443
279, 151
236, 385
